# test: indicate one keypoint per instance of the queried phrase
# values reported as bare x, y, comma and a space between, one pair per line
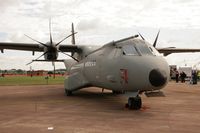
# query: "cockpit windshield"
139, 49
129, 50
144, 49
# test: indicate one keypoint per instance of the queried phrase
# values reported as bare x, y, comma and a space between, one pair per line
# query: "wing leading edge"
74, 48
167, 51
21, 46
35, 47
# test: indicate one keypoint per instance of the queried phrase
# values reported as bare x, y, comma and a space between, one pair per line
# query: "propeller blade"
69, 55
29, 63
73, 35
65, 38
154, 44
54, 69
51, 40
36, 58
36, 41
141, 36
53, 63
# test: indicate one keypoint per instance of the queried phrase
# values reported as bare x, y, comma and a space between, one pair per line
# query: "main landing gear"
134, 102
68, 93
118, 92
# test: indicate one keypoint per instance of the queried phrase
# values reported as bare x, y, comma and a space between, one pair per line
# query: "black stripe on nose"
157, 78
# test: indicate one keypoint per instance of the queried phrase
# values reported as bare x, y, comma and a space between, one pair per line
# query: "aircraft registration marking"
90, 63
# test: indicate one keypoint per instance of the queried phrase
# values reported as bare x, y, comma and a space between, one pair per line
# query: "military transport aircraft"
127, 65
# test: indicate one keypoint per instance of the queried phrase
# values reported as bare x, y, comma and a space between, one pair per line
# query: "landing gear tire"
118, 92
135, 103
68, 93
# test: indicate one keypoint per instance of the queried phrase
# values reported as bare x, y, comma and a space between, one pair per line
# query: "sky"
97, 23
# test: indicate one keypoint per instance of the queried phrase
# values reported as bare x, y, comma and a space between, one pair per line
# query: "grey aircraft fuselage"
127, 65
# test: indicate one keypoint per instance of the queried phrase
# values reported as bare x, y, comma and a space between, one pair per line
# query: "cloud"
85, 25
7, 3
99, 22
3, 35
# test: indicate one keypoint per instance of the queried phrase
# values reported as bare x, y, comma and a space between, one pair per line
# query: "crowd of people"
182, 76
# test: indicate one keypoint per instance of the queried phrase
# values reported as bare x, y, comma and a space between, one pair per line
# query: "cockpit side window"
129, 50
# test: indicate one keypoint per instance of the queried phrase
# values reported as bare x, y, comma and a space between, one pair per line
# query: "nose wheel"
135, 102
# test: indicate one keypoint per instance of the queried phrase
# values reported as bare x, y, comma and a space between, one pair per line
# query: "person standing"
183, 76
177, 76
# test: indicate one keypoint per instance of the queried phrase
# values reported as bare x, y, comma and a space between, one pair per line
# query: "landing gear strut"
135, 102
68, 93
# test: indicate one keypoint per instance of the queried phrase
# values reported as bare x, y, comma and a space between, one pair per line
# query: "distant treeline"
24, 72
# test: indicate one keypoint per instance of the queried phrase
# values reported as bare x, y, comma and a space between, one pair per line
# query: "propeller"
155, 42
141, 36
37, 41
54, 69
68, 55
36, 58
73, 36
51, 40
49, 47
65, 38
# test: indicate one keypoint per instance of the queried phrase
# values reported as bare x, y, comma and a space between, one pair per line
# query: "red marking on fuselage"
124, 75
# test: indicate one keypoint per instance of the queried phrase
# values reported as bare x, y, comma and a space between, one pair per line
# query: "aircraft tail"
73, 35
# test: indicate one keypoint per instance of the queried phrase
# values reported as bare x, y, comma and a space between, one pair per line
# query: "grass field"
24, 80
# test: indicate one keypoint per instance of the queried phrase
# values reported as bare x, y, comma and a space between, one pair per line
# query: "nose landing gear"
135, 103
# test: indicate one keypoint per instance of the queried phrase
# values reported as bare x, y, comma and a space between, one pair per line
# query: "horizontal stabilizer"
50, 60
154, 94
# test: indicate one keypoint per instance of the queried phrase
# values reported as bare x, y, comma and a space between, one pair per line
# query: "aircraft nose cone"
157, 78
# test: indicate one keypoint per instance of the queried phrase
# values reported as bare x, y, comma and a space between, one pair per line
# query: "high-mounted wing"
21, 46
35, 47
69, 48
50, 49
170, 50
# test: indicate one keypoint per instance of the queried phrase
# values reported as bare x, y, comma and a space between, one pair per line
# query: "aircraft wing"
34, 47
170, 50
69, 48
20, 46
